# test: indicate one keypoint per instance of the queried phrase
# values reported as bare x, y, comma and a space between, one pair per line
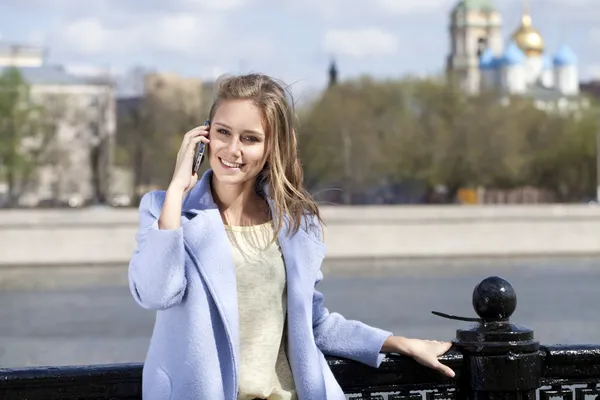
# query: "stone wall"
107, 236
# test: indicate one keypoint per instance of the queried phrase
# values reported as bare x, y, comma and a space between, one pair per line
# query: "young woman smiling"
231, 264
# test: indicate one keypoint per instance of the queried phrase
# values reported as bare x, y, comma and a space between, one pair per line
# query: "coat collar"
200, 199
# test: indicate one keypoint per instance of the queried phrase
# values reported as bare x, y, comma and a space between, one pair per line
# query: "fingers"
435, 364
430, 354
197, 139
203, 129
444, 369
445, 346
190, 146
197, 131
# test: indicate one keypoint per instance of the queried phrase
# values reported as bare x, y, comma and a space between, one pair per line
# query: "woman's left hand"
425, 352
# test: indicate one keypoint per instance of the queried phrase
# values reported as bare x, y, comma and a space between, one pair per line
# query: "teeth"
230, 164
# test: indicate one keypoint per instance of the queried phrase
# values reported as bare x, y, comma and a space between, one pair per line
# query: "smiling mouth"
230, 164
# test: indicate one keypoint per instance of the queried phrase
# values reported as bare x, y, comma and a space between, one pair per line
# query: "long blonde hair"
282, 172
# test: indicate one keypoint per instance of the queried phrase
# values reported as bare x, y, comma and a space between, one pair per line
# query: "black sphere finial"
494, 299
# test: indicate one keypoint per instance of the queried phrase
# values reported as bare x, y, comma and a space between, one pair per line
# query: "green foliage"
363, 131
27, 128
150, 135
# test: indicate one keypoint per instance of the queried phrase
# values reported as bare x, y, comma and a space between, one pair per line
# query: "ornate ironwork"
494, 359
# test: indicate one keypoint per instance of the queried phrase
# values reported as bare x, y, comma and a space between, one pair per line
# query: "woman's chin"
229, 177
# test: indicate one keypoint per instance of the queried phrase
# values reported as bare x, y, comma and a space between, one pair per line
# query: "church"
481, 59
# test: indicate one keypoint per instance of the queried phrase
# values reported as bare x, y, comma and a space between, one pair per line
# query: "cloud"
568, 11
593, 71
594, 35
253, 46
183, 33
36, 38
91, 70
324, 8
360, 42
369, 8
171, 33
576, 3
220, 5
398, 7
78, 8
111, 28
88, 35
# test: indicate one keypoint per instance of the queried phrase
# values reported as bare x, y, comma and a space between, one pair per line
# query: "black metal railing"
493, 360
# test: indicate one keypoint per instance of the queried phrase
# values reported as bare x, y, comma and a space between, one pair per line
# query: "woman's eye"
223, 131
251, 139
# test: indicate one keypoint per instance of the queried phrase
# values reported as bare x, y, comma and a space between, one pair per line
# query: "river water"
98, 321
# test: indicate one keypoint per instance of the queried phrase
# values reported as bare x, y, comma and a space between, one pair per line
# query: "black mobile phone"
200, 153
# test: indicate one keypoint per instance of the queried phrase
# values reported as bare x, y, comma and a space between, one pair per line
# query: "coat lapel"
303, 256
208, 246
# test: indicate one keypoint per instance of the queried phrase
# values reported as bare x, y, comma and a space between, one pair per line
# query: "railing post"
501, 360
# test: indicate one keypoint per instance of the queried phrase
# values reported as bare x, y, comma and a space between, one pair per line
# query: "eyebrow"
224, 125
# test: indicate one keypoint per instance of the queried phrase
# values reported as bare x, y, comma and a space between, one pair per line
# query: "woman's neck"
239, 204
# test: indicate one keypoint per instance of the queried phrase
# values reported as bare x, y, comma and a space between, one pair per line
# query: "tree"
440, 117
398, 130
363, 132
100, 145
565, 159
27, 131
141, 146
341, 136
151, 127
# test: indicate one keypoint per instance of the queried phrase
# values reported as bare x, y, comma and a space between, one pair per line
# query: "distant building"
189, 95
168, 104
21, 55
480, 60
86, 117
474, 26
182, 93
591, 88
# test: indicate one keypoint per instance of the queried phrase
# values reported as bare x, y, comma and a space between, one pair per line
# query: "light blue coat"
187, 275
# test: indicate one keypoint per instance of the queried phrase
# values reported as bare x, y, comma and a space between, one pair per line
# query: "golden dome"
528, 38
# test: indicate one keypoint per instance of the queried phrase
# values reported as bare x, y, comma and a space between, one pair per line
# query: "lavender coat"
187, 275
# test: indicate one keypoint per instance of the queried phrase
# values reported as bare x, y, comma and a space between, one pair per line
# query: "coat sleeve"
156, 270
337, 336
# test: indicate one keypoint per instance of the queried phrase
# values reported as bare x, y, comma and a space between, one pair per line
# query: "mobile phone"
200, 153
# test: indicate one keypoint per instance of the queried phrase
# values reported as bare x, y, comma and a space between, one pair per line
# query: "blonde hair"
282, 173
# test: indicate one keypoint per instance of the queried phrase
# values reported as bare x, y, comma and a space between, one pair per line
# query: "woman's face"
237, 142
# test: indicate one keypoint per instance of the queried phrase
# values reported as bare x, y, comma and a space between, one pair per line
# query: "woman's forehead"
242, 115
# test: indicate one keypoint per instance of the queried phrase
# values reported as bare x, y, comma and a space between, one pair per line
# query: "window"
482, 45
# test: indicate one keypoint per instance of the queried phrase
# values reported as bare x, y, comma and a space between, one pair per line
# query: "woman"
231, 266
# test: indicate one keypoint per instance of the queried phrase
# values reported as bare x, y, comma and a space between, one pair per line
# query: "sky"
293, 40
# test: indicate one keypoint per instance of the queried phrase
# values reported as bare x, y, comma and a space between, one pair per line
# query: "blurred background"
446, 141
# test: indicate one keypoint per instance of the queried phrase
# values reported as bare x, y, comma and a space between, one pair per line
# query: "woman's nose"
234, 146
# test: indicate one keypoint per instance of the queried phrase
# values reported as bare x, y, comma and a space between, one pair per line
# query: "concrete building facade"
82, 150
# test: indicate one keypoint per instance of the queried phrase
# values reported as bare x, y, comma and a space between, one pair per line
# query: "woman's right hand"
183, 179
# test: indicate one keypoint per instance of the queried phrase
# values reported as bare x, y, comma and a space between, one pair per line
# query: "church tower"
531, 42
475, 25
